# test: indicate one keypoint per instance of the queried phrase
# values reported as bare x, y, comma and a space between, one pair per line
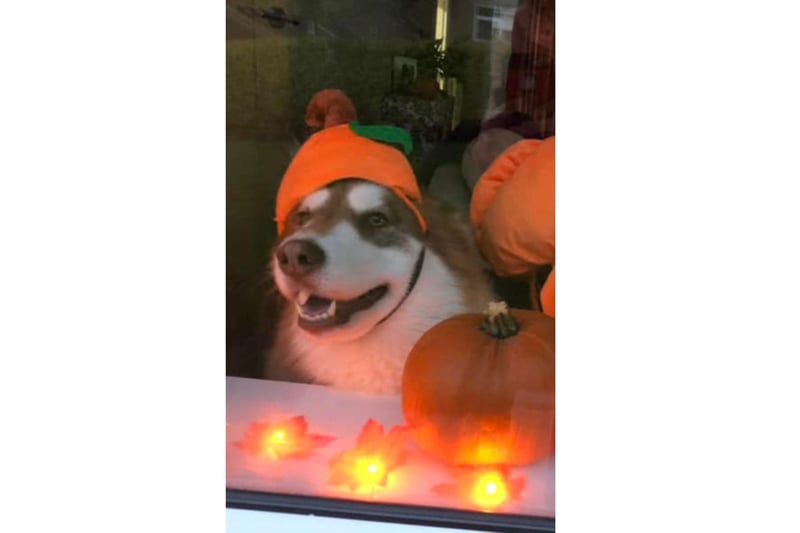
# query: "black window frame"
386, 512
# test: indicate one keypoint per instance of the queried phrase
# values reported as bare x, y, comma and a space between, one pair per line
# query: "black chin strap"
411, 283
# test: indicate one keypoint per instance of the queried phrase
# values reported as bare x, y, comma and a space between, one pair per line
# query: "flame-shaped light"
486, 488
284, 439
370, 463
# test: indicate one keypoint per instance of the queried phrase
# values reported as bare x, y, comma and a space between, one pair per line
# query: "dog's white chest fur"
374, 362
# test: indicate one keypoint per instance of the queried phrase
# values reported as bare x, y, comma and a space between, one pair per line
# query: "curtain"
531, 80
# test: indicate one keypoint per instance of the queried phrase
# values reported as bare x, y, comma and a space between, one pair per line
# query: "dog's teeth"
332, 308
303, 296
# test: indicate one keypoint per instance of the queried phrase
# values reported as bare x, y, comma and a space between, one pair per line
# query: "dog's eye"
302, 218
377, 220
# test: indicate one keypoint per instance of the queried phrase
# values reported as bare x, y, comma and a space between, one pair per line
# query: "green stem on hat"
387, 134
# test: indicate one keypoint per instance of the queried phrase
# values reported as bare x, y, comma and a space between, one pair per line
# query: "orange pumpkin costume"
513, 213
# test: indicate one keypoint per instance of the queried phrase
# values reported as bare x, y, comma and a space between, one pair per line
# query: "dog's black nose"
299, 258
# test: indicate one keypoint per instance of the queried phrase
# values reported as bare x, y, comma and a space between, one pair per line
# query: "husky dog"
360, 283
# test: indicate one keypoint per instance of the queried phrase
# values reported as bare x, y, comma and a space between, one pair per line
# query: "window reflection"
467, 79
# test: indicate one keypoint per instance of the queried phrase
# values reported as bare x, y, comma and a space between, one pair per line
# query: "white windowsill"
342, 414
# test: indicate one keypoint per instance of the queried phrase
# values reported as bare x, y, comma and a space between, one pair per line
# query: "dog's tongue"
316, 305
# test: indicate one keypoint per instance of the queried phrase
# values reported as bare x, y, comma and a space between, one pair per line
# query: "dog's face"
347, 258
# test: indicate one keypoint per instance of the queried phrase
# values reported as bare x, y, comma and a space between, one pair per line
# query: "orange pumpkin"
480, 389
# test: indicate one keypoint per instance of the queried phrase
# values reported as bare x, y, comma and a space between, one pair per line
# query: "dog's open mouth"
316, 312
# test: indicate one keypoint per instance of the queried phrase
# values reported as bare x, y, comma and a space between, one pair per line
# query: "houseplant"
422, 107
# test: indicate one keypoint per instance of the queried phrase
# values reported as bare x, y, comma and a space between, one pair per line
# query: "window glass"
361, 139
484, 29
493, 22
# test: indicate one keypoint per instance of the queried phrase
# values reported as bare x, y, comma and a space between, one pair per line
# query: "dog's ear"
330, 107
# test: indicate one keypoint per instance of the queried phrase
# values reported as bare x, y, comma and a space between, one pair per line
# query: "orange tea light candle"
486, 488
275, 443
490, 490
370, 472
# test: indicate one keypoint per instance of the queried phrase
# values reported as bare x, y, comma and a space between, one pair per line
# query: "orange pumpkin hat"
346, 149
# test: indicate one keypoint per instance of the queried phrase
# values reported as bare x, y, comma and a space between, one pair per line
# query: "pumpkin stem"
498, 322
